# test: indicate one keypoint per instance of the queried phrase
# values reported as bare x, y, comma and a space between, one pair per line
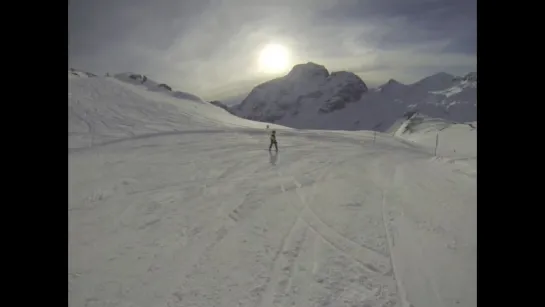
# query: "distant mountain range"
309, 97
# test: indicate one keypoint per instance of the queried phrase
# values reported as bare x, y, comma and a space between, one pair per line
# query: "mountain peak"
392, 85
308, 70
393, 81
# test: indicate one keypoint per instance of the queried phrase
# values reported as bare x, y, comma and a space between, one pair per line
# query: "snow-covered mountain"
307, 89
309, 97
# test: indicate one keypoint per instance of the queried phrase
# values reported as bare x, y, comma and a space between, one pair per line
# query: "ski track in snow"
198, 214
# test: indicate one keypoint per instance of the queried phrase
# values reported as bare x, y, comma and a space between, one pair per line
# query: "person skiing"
273, 141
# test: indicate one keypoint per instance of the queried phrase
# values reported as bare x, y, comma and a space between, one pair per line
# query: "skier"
273, 141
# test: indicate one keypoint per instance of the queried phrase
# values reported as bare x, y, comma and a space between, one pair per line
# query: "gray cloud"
210, 47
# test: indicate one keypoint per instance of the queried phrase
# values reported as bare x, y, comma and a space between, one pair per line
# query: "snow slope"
107, 109
178, 203
311, 98
455, 142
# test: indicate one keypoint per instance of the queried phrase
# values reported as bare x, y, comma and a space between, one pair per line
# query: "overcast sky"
210, 47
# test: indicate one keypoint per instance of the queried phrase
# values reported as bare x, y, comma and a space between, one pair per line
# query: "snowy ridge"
151, 85
220, 104
72, 73
436, 82
393, 87
175, 202
310, 98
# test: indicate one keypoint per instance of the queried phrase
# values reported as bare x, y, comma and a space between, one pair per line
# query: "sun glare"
274, 58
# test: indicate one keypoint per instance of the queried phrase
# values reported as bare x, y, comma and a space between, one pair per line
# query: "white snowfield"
179, 203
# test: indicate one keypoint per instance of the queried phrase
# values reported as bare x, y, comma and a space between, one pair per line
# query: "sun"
274, 58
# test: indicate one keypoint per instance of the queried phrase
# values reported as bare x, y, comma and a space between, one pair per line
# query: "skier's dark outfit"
273, 141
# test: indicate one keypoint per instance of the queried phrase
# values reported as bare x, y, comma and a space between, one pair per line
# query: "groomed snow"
178, 203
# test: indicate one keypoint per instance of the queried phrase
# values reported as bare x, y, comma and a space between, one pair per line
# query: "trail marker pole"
436, 143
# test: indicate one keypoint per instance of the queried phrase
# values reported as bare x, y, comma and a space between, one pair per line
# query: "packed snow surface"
176, 202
